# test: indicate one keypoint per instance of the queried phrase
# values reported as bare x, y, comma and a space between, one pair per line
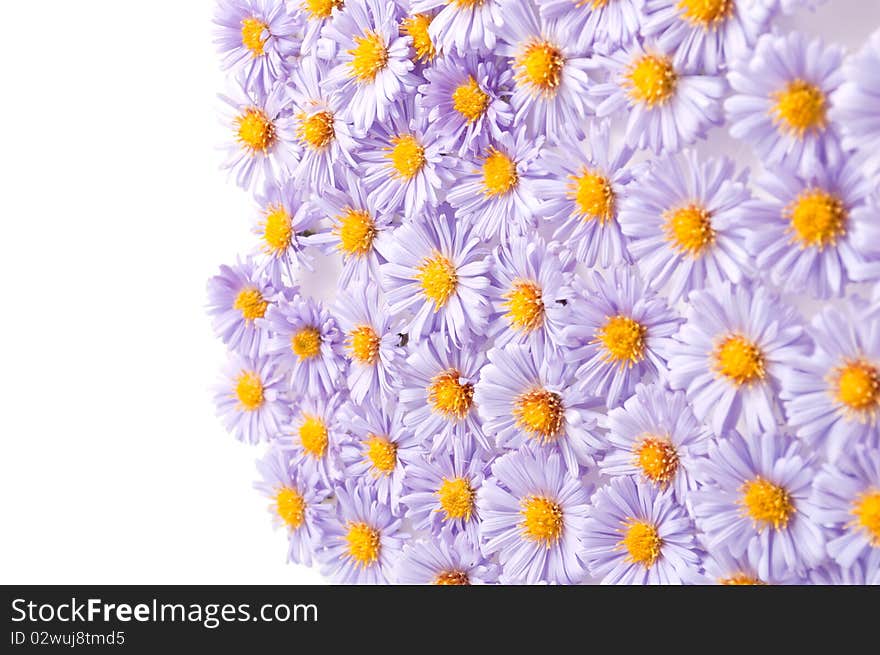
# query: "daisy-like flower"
685, 220
846, 495
466, 25
363, 540
316, 14
357, 229
781, 100
435, 276
496, 192
441, 492
306, 341
722, 568
618, 332
465, 98
324, 136
550, 73
731, 352
669, 105
530, 291
581, 192
417, 27
855, 102
710, 32
533, 515
527, 394
755, 499
237, 299
637, 534
445, 561
283, 224
596, 23
380, 451
832, 398
405, 165
655, 437
256, 38
372, 345
315, 436
264, 145
298, 502
437, 391
252, 401
808, 235
374, 68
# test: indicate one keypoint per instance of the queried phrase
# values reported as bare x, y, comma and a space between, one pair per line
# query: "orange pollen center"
739, 360
291, 507
866, 511
321, 9
364, 543
316, 130
767, 504
416, 27
452, 578
470, 100
456, 499
539, 67
800, 108
540, 413
499, 173
525, 306
369, 57
439, 279
449, 395
407, 156
277, 230
251, 304
249, 391
593, 196
651, 80
817, 219
356, 230
252, 36
856, 386
642, 542
382, 454
623, 341
256, 132
708, 14
657, 458
689, 230
363, 344
542, 520
306, 343
313, 436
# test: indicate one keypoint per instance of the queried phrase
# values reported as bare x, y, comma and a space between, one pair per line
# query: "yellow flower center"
456, 578
539, 66
363, 343
321, 9
542, 520
249, 391
739, 360
277, 230
657, 458
525, 306
369, 56
652, 80
818, 219
416, 27
255, 131
313, 436
470, 100
642, 542
857, 387
456, 498
540, 413
364, 543
623, 340
741, 579
449, 395
382, 454
706, 13
499, 173
867, 512
767, 504
316, 130
593, 196
250, 303
291, 507
252, 30
439, 279
800, 108
689, 230
407, 156
306, 343
356, 231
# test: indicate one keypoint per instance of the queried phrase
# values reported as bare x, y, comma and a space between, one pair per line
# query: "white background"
113, 214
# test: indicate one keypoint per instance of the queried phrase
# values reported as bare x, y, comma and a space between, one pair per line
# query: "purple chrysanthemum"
237, 299
856, 100
445, 561
722, 568
252, 400
595, 25
465, 26
315, 436
533, 515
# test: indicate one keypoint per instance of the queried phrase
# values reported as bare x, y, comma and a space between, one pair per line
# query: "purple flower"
362, 541
528, 394
781, 101
251, 400
237, 299
755, 499
465, 26
724, 569
685, 220
583, 185
637, 534
596, 24
618, 333
533, 515
298, 502
730, 354
445, 561
855, 101
315, 437
434, 276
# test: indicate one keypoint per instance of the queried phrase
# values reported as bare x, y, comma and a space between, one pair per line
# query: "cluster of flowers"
564, 347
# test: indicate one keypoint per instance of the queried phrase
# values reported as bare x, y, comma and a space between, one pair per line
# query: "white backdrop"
113, 214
